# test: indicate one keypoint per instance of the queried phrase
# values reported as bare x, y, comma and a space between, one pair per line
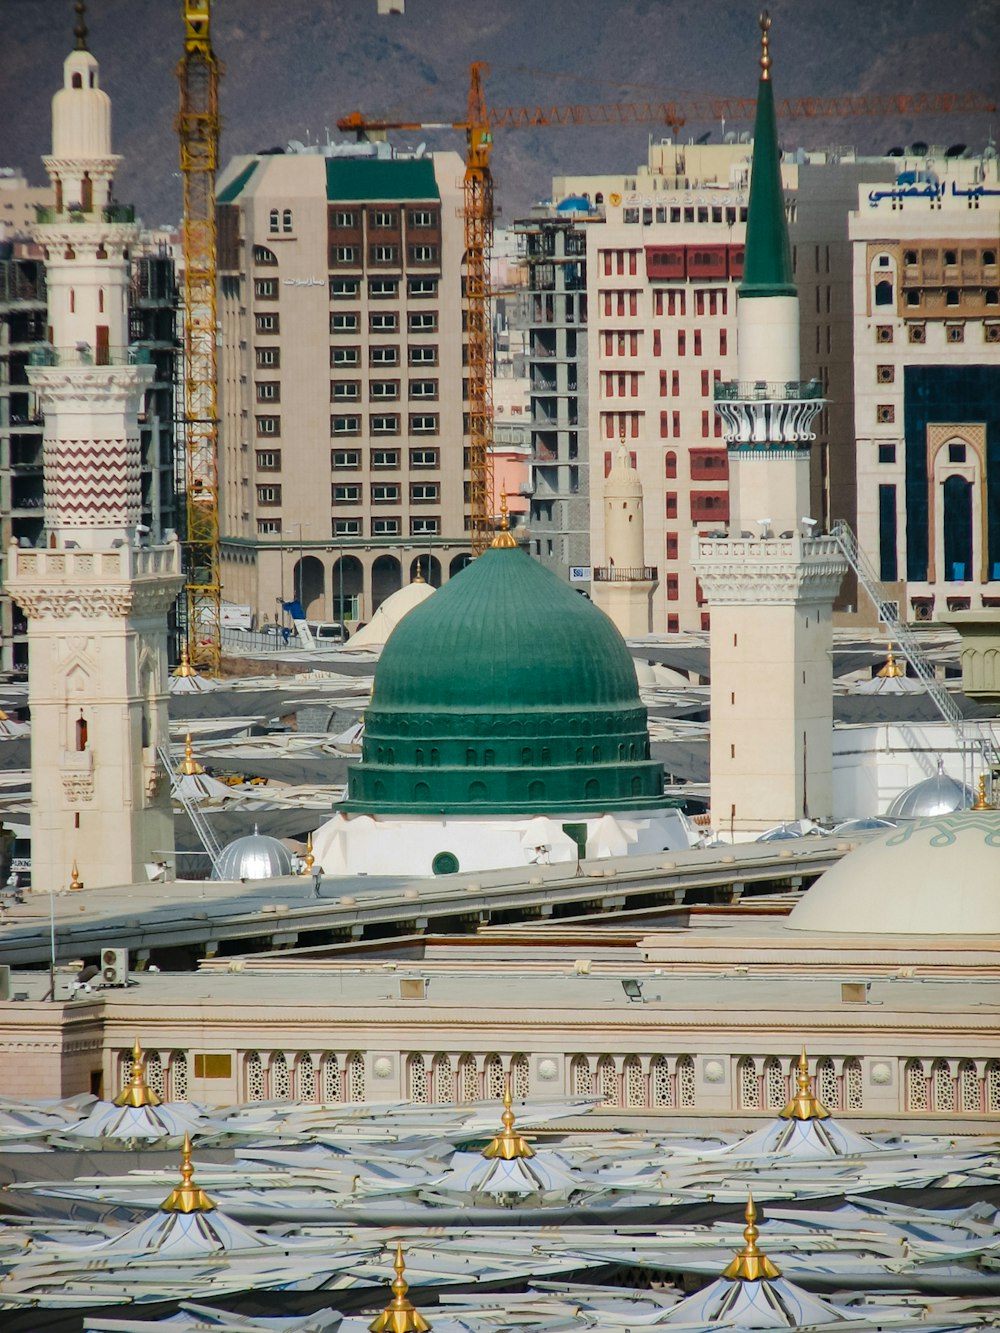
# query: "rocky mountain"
294, 66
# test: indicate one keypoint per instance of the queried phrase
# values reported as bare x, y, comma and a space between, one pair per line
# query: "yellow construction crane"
198, 128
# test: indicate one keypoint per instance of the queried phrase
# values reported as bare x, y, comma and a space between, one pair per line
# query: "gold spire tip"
399, 1316
187, 1197
503, 539
137, 1091
189, 766
80, 28
765, 51
981, 803
751, 1264
309, 860
804, 1106
75, 882
507, 1144
184, 667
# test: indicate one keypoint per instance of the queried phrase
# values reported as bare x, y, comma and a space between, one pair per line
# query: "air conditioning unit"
114, 967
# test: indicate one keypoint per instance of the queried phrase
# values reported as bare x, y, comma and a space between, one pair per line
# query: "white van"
328, 631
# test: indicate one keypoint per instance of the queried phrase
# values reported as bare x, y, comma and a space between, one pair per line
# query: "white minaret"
624, 587
771, 581
97, 595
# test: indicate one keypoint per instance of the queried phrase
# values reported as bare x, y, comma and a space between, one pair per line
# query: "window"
269, 495
723, 342
273, 222
267, 323
422, 287
955, 333
385, 493
262, 255
383, 220
424, 458
380, 289
269, 391
343, 323
383, 389
421, 217
918, 333
268, 527
887, 453
269, 460
345, 254
345, 425
681, 342
342, 289
385, 425
423, 356
269, 356
383, 254
383, 356
346, 495
883, 333
697, 342
425, 492
672, 545
425, 322
424, 527
385, 527
344, 220
883, 293
286, 219
885, 413
343, 356
670, 464
423, 254
268, 425
347, 527
423, 388
885, 374
345, 460
671, 504
956, 453
342, 391
673, 588
383, 322
385, 458
424, 425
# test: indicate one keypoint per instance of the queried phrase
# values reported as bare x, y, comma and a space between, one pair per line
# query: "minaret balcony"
759, 414
625, 574
44, 354
121, 213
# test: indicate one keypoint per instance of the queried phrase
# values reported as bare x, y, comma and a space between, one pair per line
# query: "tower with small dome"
95, 592
624, 587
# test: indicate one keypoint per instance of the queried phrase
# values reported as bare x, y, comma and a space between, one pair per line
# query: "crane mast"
478, 215
198, 128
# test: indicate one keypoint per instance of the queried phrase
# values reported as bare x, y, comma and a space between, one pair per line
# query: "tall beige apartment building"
342, 438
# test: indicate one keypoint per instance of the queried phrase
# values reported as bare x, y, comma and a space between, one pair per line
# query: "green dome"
506, 692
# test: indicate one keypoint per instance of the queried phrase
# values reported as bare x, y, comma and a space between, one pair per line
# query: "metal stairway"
201, 826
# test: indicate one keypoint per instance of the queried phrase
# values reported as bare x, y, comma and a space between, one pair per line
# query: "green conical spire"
767, 268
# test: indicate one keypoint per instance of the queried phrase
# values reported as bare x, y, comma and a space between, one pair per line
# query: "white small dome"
938, 876
255, 856
81, 111
939, 795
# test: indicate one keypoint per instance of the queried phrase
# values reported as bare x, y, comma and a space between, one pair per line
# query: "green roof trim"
235, 187
767, 265
354, 179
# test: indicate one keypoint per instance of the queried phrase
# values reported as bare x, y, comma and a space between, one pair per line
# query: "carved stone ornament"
78, 787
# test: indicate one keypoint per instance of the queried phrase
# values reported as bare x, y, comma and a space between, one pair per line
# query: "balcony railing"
44, 354
741, 391
113, 213
625, 574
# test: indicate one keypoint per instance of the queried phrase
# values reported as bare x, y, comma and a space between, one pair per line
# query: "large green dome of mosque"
505, 693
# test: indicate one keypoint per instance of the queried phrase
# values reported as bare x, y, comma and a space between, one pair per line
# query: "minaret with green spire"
771, 580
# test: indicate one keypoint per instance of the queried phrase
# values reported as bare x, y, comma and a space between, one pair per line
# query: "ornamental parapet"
759, 391
758, 414
59, 582
769, 569
44, 354
625, 574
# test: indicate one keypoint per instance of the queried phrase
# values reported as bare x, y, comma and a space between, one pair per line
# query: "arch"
957, 529
387, 578
330, 1082
286, 219
281, 1083
581, 1081
685, 1080
527, 756
309, 583
429, 569
468, 1079
273, 220
661, 1085
747, 1084
634, 1081
536, 790
347, 583
637, 785
607, 1081
774, 1084
155, 1073
493, 1077
827, 1086
445, 863
942, 1086
77, 80
991, 1085
378, 791
969, 1087
305, 1078
435, 757
417, 1086
80, 733
489, 758
592, 789
421, 791
853, 1085
354, 1077
177, 1076
253, 1077
444, 1079
883, 292
915, 1085
477, 791
459, 562
595, 754
670, 465
418, 757
519, 1078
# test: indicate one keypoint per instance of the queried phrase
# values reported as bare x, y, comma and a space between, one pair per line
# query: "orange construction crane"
478, 126
198, 128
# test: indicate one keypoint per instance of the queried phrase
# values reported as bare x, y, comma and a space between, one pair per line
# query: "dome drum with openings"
505, 693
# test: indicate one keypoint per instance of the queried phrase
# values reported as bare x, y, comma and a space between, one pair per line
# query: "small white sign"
580, 574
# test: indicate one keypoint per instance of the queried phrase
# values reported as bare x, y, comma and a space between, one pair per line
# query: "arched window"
493, 1079
77, 82
748, 1085
305, 1078
416, 1079
827, 1087
942, 1086
635, 1082
527, 759
253, 1076
331, 1079
354, 1077
592, 789
444, 1080
661, 1085
178, 1076
419, 758
581, 1082
536, 791
969, 1087
286, 220
421, 791
670, 465
915, 1084
774, 1084
281, 1084
957, 527
519, 1076
477, 791
468, 1079
883, 293
685, 1080
853, 1085
274, 220
991, 1085
607, 1080
80, 731
87, 194
155, 1073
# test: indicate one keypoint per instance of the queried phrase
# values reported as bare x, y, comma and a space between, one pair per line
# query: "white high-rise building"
95, 594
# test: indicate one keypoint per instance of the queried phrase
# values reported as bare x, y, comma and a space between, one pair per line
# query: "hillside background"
294, 66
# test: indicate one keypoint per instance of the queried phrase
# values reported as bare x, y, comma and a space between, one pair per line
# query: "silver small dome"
255, 856
939, 795
869, 824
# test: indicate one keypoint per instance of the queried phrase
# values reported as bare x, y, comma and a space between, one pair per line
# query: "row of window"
343, 391
626, 343
421, 355
349, 256
382, 219
384, 321
917, 333
706, 302
381, 289
349, 460
706, 506
387, 493
388, 424
355, 527
689, 213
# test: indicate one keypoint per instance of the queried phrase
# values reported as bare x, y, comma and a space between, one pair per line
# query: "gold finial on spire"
80, 29
765, 53
190, 767
75, 882
751, 1264
187, 1197
508, 1145
308, 861
399, 1316
419, 575
981, 803
892, 669
137, 1091
184, 667
804, 1106
503, 539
